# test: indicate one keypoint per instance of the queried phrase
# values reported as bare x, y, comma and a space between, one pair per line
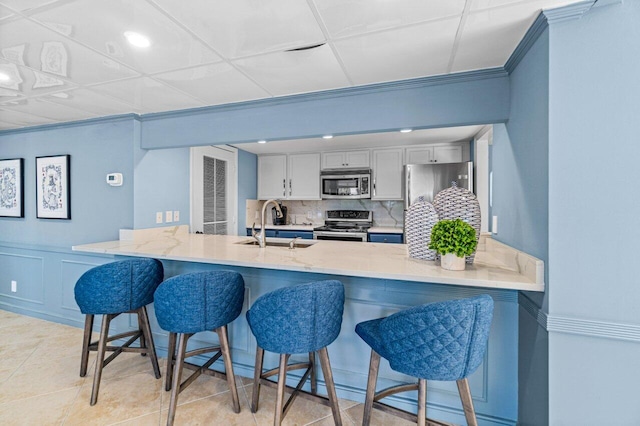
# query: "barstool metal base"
282, 408
372, 399
101, 346
176, 363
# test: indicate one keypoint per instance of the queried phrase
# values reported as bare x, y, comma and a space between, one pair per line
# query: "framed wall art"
11, 188
53, 191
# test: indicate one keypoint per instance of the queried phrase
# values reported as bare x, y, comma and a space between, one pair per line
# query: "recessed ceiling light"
406, 130
4, 77
137, 39
327, 137
262, 141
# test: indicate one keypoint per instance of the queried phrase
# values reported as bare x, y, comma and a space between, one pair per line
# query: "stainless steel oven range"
344, 225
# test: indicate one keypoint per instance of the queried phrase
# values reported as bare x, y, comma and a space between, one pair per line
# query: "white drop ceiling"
68, 60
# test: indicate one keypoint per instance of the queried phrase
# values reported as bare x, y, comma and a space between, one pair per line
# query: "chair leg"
143, 343
314, 373
374, 365
422, 402
257, 373
282, 379
86, 341
102, 345
177, 378
331, 389
223, 336
147, 339
171, 359
467, 402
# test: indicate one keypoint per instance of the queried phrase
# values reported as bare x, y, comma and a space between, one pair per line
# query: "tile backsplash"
385, 213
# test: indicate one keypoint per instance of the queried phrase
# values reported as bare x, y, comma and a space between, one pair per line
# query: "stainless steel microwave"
345, 184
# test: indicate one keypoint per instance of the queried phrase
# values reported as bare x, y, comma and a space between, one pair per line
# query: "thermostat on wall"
114, 179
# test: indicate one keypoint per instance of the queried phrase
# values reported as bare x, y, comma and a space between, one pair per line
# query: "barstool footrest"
302, 393
407, 415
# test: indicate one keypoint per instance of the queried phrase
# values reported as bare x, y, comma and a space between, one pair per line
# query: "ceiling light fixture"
327, 137
262, 141
406, 130
4, 77
137, 39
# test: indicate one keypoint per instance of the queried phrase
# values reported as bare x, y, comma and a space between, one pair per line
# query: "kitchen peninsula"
379, 280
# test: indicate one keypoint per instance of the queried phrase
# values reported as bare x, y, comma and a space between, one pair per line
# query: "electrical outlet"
168, 216
159, 217
14, 286
176, 215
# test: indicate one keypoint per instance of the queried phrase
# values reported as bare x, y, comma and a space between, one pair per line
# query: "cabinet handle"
284, 187
290, 187
374, 187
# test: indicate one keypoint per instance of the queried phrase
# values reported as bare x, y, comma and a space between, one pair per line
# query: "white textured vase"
452, 262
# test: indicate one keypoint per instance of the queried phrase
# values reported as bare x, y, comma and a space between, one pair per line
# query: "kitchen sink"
280, 242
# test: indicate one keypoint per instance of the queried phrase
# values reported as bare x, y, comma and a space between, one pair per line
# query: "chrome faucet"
292, 243
261, 237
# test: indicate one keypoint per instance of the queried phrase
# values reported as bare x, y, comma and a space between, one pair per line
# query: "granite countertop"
289, 227
496, 265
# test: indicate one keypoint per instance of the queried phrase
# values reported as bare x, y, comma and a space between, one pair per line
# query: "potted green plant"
453, 240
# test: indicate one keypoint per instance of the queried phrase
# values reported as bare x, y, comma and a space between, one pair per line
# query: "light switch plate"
168, 216
176, 215
159, 217
14, 286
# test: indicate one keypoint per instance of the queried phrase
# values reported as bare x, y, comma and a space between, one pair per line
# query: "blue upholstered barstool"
439, 341
110, 290
304, 318
191, 303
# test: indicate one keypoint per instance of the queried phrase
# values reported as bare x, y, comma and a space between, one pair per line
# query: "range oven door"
340, 236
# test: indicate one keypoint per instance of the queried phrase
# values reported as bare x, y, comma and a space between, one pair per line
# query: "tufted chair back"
199, 301
438, 341
302, 318
118, 287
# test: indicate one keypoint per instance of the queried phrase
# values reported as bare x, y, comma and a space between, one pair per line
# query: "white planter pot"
452, 262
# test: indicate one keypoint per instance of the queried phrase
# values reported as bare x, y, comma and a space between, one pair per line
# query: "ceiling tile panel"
147, 95
27, 82
101, 25
56, 56
285, 73
238, 28
42, 108
20, 119
486, 4
214, 84
490, 36
89, 101
410, 52
345, 18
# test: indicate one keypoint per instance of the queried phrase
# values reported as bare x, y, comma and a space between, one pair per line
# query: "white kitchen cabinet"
304, 177
451, 153
289, 177
387, 170
345, 159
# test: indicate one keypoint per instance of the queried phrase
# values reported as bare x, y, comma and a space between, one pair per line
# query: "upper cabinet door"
345, 160
387, 172
357, 159
447, 154
272, 176
304, 177
420, 155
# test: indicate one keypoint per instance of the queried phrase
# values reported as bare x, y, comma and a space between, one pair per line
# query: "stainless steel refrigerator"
428, 179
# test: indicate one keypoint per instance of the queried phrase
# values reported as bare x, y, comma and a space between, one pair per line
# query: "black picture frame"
53, 187
12, 187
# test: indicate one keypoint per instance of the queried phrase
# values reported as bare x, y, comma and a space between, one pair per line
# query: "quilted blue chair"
110, 290
305, 318
437, 341
188, 304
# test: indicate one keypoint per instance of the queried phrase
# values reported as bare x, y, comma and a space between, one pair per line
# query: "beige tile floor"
40, 385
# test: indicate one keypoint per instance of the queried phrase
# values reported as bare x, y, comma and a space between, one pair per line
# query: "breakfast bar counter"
379, 280
496, 265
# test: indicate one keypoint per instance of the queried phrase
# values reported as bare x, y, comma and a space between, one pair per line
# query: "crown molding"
67, 124
569, 12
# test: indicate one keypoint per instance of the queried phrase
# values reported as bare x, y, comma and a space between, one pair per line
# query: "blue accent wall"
593, 212
247, 185
98, 210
